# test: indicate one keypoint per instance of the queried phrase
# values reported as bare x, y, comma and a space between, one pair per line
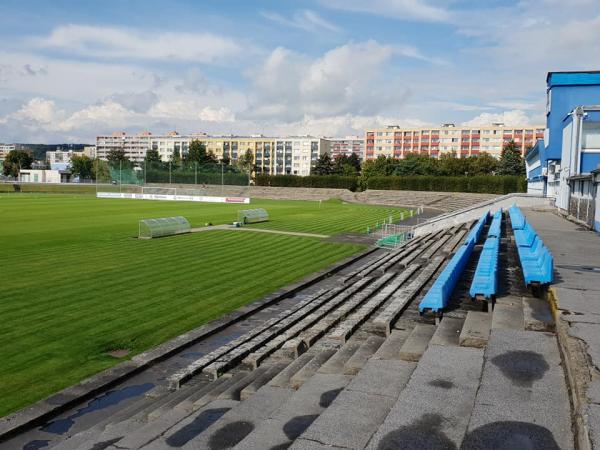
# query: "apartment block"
397, 142
291, 155
4, 149
60, 159
347, 146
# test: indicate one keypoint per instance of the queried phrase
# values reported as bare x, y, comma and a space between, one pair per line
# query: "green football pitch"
76, 284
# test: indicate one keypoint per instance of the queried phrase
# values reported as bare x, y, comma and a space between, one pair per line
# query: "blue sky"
72, 69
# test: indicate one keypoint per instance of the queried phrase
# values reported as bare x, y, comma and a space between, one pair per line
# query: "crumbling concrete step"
522, 401
476, 329
233, 391
456, 240
217, 390
187, 404
435, 247
283, 378
537, 315
508, 314
384, 320
300, 309
349, 326
335, 364
259, 354
270, 372
434, 408
310, 368
448, 331
360, 357
399, 257
361, 407
415, 345
173, 399
298, 412
308, 337
390, 349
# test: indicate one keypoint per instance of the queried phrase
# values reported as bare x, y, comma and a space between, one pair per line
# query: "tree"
15, 161
152, 156
100, 170
116, 156
226, 160
346, 165
324, 165
82, 166
246, 162
382, 166
197, 154
483, 164
511, 161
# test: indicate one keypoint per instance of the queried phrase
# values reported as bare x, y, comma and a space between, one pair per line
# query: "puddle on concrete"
202, 421
192, 355
35, 445
521, 367
230, 435
328, 397
441, 383
425, 433
298, 425
510, 435
61, 426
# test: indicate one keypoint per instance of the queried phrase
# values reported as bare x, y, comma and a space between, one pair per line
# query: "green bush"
312, 181
486, 184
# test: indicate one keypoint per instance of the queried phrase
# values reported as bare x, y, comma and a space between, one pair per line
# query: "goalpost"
159, 190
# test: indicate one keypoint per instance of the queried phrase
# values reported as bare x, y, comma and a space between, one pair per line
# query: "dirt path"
258, 230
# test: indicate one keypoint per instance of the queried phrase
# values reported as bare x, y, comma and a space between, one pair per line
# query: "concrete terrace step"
434, 408
269, 373
283, 378
476, 329
344, 330
384, 320
281, 330
254, 359
390, 349
448, 331
336, 363
364, 352
537, 315
360, 409
416, 344
308, 337
522, 401
508, 314
310, 368
298, 412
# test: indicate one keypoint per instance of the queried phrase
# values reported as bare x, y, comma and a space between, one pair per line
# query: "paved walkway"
258, 230
576, 253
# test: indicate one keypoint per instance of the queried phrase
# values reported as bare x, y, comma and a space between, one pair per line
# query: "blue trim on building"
573, 78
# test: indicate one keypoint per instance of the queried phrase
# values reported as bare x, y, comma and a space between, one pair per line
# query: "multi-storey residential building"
89, 151
347, 146
293, 155
134, 146
4, 149
60, 159
396, 142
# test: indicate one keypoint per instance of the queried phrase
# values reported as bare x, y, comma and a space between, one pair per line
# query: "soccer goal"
164, 226
159, 190
253, 215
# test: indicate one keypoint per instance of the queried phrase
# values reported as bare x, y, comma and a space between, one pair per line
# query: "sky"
70, 70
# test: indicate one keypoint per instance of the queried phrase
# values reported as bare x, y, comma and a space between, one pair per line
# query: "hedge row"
312, 181
191, 177
485, 184
481, 184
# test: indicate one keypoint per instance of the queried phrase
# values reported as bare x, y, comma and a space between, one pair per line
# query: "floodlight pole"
222, 178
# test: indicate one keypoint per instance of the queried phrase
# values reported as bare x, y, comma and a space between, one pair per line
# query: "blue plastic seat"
496, 226
517, 219
526, 236
485, 281
476, 231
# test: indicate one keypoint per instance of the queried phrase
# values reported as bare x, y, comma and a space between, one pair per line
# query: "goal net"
159, 190
164, 226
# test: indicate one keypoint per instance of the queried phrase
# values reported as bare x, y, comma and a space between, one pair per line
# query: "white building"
43, 176
61, 159
90, 151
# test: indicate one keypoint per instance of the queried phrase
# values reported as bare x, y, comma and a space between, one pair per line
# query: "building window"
590, 136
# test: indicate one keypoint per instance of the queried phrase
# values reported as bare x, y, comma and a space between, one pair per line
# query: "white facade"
90, 151
61, 160
5, 148
42, 176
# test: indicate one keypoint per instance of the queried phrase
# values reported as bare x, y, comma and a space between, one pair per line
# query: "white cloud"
210, 114
509, 118
109, 112
304, 20
38, 110
417, 10
124, 43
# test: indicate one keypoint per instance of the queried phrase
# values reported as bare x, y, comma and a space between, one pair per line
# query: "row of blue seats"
485, 281
536, 259
438, 296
